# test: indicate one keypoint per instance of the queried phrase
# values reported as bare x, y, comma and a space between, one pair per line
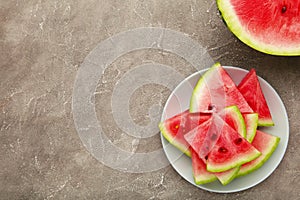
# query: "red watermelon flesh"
174, 128
234, 118
216, 90
230, 150
266, 144
251, 90
199, 140
276, 22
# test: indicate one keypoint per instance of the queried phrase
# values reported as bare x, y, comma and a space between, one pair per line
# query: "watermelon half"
271, 27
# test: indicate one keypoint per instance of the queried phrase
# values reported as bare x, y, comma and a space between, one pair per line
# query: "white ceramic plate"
179, 101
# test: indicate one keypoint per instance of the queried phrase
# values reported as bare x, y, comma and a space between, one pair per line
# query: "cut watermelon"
271, 27
204, 137
231, 150
201, 140
251, 90
216, 134
196, 138
233, 117
200, 174
215, 90
266, 144
174, 128
220, 146
251, 120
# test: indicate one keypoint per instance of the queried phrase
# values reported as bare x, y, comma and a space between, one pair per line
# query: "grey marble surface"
43, 45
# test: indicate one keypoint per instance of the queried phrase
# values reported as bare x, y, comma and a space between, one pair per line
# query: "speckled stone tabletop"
47, 48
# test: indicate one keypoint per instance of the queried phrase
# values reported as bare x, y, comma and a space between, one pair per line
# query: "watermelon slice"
230, 115
266, 144
215, 90
251, 120
196, 137
201, 140
174, 128
220, 146
200, 174
233, 117
271, 27
231, 150
251, 90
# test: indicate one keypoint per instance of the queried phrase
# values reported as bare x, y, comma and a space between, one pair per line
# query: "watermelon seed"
283, 9
214, 136
206, 157
238, 141
223, 150
211, 107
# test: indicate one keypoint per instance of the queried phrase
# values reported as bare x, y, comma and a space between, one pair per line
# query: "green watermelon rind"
265, 122
236, 28
226, 179
235, 163
199, 180
196, 95
164, 131
252, 119
271, 148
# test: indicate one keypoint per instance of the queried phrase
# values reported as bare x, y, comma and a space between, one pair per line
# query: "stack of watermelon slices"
219, 131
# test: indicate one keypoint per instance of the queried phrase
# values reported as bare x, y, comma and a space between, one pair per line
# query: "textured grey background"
43, 43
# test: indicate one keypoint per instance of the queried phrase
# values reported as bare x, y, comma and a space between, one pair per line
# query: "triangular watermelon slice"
251, 90
201, 140
220, 146
216, 90
231, 150
230, 115
233, 117
266, 144
200, 174
196, 138
174, 128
